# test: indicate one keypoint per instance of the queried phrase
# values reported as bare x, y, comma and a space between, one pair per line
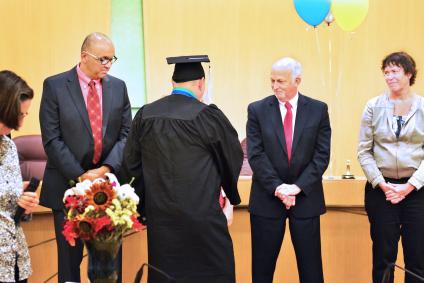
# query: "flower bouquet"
99, 213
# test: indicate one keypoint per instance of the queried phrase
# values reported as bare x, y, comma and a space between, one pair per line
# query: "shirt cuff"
298, 187
377, 181
415, 182
276, 189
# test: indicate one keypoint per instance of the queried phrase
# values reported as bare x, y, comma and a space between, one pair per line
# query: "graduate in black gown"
183, 151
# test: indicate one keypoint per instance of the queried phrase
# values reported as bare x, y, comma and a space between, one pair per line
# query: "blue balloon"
313, 12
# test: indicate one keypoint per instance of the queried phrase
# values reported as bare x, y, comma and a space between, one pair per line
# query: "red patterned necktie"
95, 115
288, 128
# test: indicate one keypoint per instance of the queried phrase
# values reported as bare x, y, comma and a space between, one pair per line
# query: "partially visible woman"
391, 153
15, 99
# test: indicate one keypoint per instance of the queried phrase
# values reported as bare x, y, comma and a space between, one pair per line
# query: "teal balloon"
313, 12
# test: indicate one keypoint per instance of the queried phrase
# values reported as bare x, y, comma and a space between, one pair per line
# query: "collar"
84, 78
292, 101
184, 91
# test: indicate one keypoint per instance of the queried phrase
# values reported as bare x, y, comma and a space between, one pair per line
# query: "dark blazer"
267, 155
67, 136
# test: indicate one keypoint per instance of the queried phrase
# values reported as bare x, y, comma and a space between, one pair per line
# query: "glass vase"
102, 260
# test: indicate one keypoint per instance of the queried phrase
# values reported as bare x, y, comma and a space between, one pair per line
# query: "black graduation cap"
188, 68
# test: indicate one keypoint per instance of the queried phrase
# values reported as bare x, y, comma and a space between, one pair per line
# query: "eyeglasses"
102, 60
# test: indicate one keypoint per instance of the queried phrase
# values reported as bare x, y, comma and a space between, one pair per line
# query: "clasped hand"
287, 194
395, 193
95, 173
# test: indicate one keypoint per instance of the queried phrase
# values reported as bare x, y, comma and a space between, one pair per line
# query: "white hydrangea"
79, 189
127, 192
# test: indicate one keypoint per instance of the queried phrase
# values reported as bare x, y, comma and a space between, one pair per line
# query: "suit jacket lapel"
302, 107
277, 123
107, 101
77, 97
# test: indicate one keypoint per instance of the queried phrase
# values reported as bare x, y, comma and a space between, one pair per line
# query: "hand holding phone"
32, 187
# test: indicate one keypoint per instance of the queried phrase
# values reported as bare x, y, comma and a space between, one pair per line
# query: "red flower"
101, 222
69, 231
137, 226
76, 202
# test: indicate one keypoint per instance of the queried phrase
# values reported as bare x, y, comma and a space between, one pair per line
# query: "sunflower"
86, 229
100, 195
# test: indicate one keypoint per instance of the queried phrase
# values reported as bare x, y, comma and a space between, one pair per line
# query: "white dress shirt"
283, 109
283, 112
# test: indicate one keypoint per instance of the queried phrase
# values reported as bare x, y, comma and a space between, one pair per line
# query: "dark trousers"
17, 273
267, 237
390, 222
69, 258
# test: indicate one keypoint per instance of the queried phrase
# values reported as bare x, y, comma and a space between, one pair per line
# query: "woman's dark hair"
403, 60
13, 91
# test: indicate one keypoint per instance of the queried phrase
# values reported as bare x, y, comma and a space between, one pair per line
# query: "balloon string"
341, 65
332, 97
333, 110
330, 57
319, 55
330, 74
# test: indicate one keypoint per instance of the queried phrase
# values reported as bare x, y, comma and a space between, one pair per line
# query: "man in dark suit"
288, 141
85, 116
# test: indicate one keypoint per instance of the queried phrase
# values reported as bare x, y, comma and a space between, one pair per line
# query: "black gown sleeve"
222, 139
132, 163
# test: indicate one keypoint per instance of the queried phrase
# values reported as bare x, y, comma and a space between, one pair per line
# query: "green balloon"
349, 14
